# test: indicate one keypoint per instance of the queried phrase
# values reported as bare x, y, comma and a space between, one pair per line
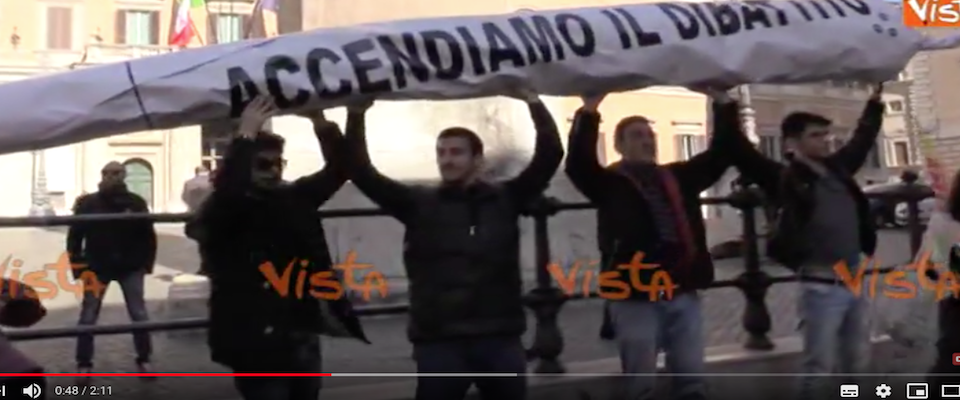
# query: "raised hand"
360, 106
527, 94
719, 95
592, 102
877, 92
254, 116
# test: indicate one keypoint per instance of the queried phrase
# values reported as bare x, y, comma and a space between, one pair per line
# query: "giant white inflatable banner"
559, 52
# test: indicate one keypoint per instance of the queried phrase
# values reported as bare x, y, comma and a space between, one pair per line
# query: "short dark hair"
624, 123
795, 123
269, 141
476, 144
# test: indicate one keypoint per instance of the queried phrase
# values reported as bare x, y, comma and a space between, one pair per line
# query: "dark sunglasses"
267, 164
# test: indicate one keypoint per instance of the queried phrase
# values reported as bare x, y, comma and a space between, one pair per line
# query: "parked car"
891, 212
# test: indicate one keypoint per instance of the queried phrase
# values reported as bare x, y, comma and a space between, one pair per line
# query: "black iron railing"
545, 300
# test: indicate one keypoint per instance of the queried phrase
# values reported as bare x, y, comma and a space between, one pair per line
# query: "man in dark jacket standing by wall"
257, 322
462, 253
121, 251
824, 221
651, 214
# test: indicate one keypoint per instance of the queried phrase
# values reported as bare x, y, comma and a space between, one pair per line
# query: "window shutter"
155, 27
66, 34
246, 27
678, 145
211, 28
120, 28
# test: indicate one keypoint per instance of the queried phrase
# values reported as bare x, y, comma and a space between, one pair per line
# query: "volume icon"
33, 391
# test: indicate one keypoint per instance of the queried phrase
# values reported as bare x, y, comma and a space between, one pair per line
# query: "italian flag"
184, 30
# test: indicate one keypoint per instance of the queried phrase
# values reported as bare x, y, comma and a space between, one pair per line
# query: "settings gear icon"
884, 391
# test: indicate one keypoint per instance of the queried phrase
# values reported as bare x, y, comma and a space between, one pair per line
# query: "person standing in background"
122, 251
196, 189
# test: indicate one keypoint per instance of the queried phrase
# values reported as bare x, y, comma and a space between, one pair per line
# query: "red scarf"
672, 192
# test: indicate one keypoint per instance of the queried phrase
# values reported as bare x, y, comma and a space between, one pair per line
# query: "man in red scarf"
653, 211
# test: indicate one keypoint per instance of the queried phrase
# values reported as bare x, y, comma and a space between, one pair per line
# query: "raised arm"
235, 176
852, 155
752, 164
703, 170
583, 167
394, 197
547, 155
320, 186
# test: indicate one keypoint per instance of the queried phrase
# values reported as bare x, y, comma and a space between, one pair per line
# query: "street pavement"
389, 352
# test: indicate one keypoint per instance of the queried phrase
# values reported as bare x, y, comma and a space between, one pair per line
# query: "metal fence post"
753, 281
545, 300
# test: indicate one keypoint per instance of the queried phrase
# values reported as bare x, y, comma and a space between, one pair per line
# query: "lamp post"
747, 113
39, 197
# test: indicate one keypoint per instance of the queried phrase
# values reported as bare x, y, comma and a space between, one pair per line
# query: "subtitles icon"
849, 390
950, 391
917, 391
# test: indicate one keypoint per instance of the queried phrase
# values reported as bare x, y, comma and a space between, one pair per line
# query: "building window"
771, 146
137, 27
901, 153
59, 28
230, 27
689, 146
215, 137
895, 107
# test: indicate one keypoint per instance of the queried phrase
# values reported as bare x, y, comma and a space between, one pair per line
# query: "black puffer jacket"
462, 244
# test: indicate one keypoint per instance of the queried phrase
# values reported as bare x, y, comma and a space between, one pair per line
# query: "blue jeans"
479, 355
643, 328
132, 285
836, 335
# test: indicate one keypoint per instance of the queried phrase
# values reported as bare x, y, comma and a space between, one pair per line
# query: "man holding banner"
653, 212
824, 221
461, 252
257, 322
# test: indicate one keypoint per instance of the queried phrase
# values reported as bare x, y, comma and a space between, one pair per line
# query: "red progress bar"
170, 374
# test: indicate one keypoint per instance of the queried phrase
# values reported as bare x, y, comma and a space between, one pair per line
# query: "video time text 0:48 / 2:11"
82, 390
